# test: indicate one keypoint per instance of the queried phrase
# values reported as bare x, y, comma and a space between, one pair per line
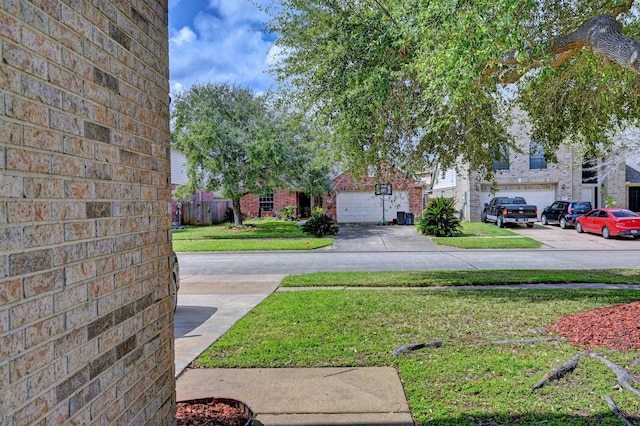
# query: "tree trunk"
237, 213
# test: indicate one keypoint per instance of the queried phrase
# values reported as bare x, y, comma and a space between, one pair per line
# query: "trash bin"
401, 218
408, 219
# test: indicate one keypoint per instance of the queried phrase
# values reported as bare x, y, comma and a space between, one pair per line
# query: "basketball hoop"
383, 189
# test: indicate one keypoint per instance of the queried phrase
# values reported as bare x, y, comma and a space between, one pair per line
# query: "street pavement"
217, 289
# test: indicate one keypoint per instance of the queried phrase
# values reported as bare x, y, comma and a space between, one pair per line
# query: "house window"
590, 171
266, 203
501, 159
536, 156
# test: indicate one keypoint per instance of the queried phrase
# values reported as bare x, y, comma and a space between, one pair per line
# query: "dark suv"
564, 213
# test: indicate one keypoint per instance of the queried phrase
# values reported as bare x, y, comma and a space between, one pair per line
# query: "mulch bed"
616, 327
213, 412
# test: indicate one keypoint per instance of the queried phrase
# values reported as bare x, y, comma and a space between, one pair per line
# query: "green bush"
228, 215
288, 213
320, 225
316, 211
440, 219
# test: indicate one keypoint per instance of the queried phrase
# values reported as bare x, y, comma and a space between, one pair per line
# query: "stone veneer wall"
86, 319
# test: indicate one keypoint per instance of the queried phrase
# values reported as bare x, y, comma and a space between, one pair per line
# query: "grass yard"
273, 234
457, 278
478, 235
471, 379
259, 234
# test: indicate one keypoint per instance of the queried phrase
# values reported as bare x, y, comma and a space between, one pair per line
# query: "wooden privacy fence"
204, 212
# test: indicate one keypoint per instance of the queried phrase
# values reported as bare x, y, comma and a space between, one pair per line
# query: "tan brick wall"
86, 321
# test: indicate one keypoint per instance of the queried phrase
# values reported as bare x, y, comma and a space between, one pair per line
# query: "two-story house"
528, 174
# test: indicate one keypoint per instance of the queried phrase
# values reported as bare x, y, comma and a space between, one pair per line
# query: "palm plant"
440, 218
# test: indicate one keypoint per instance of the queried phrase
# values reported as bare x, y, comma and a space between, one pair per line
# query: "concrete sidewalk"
209, 305
306, 396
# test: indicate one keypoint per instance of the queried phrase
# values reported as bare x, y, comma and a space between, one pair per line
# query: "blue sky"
218, 41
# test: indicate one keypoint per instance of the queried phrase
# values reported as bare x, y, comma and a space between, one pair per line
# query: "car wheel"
579, 228
605, 232
529, 225
563, 223
544, 220
500, 222
483, 217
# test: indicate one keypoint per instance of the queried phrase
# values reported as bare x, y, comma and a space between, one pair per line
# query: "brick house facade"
86, 318
345, 186
251, 206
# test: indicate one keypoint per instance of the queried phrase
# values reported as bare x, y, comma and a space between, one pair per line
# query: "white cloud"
221, 47
184, 36
238, 11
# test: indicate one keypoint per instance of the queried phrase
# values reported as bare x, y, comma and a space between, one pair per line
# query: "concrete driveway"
354, 237
553, 237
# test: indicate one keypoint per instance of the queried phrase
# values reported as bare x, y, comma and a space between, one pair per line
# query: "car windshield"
581, 207
624, 213
517, 200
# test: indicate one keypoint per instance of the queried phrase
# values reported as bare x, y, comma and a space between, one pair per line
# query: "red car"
610, 222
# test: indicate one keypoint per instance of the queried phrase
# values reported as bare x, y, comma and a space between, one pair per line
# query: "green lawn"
477, 235
260, 234
471, 379
457, 278
273, 234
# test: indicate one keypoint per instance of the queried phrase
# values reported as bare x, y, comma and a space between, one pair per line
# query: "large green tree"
409, 82
238, 142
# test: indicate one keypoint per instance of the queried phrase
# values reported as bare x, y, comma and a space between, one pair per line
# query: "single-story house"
349, 201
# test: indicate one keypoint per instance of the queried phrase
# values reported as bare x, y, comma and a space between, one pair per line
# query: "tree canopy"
236, 141
407, 82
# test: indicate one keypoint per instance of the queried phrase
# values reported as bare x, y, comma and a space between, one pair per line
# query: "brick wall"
250, 203
86, 321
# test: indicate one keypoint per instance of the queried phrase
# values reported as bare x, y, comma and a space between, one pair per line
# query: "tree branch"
602, 34
623, 8
384, 10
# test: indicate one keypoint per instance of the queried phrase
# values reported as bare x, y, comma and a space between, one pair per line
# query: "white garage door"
358, 206
541, 198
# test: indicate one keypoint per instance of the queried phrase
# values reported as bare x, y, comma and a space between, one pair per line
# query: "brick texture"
86, 321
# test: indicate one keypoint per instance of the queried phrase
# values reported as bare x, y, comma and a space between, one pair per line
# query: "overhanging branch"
602, 34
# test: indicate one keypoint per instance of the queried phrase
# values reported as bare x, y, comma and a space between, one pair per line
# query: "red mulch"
616, 327
209, 414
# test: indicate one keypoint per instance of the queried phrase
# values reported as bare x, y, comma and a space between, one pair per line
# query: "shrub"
228, 215
288, 213
440, 219
320, 225
316, 211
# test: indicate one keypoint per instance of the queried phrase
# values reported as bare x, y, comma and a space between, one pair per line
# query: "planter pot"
213, 411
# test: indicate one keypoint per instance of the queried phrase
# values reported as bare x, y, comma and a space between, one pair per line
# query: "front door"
304, 205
